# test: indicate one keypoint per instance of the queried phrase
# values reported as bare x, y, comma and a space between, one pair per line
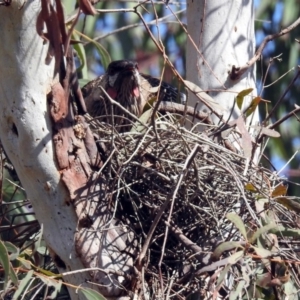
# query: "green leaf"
290, 13
250, 187
144, 119
49, 281
26, 263
37, 244
105, 57
22, 285
234, 258
264, 253
223, 262
12, 249
225, 247
291, 291
235, 294
13, 276
240, 97
81, 55
57, 289
91, 294
282, 231
4, 261
222, 275
238, 222
83, 82
261, 231
47, 272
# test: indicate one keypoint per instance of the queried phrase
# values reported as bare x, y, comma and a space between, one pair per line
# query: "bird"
124, 83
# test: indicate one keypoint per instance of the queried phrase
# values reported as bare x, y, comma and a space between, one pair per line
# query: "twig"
182, 175
290, 114
237, 72
186, 241
137, 25
275, 81
166, 58
282, 97
171, 107
277, 123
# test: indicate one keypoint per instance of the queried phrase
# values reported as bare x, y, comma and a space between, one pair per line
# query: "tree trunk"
26, 130
223, 35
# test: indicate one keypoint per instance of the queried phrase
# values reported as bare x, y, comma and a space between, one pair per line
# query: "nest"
197, 209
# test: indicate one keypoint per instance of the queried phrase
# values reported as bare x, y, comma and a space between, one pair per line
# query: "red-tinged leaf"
289, 203
252, 106
266, 131
280, 190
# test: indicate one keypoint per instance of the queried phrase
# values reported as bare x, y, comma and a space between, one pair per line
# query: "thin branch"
287, 116
237, 72
275, 81
282, 97
172, 107
267, 71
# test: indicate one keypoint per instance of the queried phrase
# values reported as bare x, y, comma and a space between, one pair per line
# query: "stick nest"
199, 213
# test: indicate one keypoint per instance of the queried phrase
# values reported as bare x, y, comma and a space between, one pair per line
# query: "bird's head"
123, 79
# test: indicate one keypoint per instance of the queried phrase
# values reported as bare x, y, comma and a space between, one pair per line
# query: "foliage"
278, 77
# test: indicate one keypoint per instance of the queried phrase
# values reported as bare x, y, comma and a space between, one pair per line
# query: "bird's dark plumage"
123, 83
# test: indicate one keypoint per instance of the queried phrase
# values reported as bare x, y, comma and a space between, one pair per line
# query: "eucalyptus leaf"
238, 222
91, 294
23, 285
261, 231
225, 247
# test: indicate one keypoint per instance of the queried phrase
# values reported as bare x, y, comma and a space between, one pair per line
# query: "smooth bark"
26, 130
223, 36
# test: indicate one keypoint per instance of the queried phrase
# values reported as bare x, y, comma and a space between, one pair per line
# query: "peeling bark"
55, 157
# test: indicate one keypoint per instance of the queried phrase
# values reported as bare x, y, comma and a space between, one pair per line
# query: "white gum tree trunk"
26, 130
223, 33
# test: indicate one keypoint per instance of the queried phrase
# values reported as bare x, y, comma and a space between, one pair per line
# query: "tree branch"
237, 72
